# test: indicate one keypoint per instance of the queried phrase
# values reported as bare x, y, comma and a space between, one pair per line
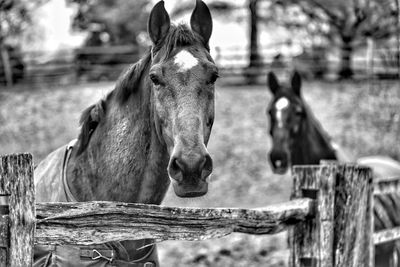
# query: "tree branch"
335, 19
310, 11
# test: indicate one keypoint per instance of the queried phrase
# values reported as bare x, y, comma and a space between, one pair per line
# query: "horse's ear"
296, 83
89, 120
201, 21
273, 83
159, 23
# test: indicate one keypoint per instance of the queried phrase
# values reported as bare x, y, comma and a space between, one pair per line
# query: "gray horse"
150, 131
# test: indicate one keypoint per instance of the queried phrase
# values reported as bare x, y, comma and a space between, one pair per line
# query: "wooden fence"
69, 66
106, 64
311, 63
329, 217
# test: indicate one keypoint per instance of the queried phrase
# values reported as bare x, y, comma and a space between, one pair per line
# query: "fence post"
312, 240
16, 182
354, 217
4, 241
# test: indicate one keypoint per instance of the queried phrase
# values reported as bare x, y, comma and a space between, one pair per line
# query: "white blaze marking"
281, 104
185, 60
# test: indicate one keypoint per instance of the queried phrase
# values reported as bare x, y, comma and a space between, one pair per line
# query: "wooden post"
312, 241
398, 37
16, 181
370, 63
5, 58
4, 241
353, 242
340, 235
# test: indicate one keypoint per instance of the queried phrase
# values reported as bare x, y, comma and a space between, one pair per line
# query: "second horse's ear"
159, 23
201, 21
296, 83
273, 83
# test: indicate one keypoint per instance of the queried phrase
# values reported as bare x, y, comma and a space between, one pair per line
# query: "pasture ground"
363, 118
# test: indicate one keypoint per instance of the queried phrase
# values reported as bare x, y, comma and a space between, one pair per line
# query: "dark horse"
150, 131
298, 139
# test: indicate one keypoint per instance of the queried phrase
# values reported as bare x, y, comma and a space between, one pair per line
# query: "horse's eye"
155, 79
299, 112
213, 78
210, 122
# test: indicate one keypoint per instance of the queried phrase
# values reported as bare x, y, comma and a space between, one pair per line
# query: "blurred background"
59, 56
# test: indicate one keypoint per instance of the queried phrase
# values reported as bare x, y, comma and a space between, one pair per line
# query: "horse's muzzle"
188, 190
279, 161
189, 172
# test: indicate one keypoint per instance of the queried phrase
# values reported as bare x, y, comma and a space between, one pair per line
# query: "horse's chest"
48, 178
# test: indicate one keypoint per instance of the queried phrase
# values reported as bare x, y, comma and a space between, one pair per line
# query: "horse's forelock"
178, 36
181, 36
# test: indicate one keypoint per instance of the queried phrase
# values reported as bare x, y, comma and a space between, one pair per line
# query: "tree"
254, 19
349, 22
254, 58
15, 18
397, 3
120, 21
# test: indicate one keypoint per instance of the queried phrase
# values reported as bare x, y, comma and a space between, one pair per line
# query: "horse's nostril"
175, 169
197, 166
175, 165
207, 167
207, 164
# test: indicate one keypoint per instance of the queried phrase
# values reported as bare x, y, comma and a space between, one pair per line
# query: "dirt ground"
363, 118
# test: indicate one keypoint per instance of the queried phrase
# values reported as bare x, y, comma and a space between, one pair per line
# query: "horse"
150, 131
299, 139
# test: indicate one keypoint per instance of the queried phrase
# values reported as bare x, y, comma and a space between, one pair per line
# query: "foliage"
117, 22
15, 17
218, 7
343, 22
356, 18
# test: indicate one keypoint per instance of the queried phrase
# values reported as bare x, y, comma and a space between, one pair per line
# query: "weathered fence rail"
100, 222
388, 235
329, 217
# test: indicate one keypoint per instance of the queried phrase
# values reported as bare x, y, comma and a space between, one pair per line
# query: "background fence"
331, 210
107, 63
71, 66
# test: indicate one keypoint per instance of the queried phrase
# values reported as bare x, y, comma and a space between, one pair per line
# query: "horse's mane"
316, 124
89, 120
129, 82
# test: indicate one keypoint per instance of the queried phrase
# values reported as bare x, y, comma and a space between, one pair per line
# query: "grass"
364, 119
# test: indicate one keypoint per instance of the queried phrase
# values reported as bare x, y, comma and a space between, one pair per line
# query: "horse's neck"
124, 160
311, 146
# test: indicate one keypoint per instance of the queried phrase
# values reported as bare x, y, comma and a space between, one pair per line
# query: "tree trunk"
370, 62
398, 37
254, 59
6, 65
346, 71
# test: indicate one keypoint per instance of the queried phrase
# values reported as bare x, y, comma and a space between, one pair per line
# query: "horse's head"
286, 113
182, 75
